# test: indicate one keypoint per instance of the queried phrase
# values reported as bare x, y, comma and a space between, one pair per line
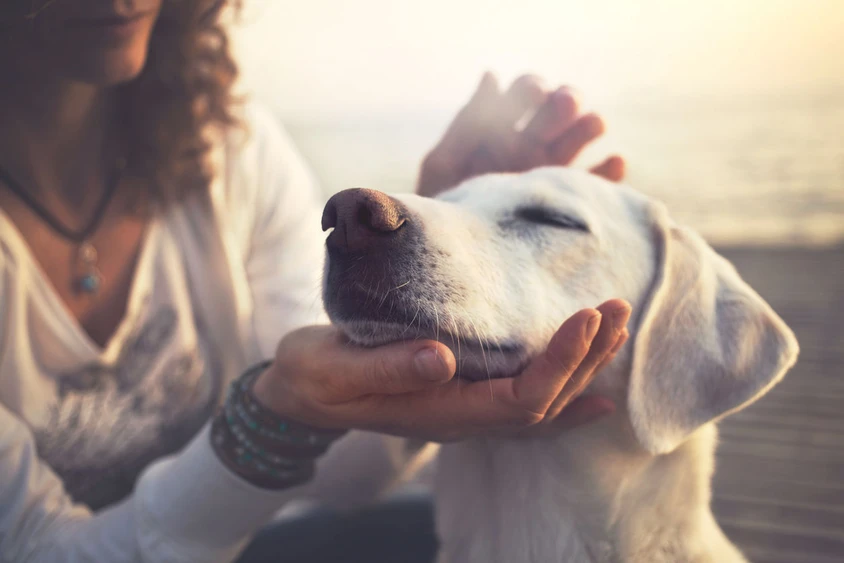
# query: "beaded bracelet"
257, 444
244, 408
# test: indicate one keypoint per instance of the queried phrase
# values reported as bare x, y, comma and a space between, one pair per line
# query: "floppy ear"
706, 346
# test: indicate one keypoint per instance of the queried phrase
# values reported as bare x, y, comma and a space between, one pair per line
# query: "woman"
156, 240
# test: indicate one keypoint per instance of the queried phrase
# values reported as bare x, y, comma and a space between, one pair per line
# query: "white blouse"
219, 281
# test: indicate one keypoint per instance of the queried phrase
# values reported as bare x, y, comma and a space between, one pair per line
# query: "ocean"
741, 172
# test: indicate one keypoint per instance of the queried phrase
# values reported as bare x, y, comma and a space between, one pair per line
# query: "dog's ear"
706, 345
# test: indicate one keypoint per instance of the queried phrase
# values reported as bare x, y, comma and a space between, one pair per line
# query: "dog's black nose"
362, 220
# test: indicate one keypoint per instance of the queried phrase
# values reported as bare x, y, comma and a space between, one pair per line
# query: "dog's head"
492, 268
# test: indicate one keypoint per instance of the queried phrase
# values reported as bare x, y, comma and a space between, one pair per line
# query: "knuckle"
305, 406
580, 352
322, 393
293, 401
561, 366
330, 387
529, 81
301, 374
315, 384
381, 373
528, 417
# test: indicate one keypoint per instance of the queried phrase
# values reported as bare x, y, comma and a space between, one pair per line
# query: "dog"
491, 268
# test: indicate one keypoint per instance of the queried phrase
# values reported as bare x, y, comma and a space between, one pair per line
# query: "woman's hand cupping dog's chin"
408, 388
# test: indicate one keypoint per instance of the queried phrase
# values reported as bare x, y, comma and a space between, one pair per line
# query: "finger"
583, 131
613, 169
622, 339
582, 410
614, 316
467, 128
526, 93
445, 166
553, 118
536, 387
385, 370
487, 87
547, 124
500, 137
496, 404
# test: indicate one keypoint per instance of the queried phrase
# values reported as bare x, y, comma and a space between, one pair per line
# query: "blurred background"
730, 111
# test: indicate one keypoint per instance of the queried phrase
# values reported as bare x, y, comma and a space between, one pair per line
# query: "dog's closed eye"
550, 218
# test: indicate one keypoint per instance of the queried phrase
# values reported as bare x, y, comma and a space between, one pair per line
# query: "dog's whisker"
436, 326
389, 291
410, 324
460, 359
483, 355
375, 293
351, 267
456, 333
420, 319
458, 330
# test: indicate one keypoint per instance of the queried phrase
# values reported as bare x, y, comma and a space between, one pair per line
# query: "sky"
323, 58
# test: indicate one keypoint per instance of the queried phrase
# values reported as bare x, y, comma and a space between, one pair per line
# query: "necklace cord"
75, 236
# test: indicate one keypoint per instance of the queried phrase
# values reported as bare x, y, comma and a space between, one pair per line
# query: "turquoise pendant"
90, 283
91, 279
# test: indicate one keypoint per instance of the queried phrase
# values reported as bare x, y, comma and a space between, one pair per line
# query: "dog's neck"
588, 495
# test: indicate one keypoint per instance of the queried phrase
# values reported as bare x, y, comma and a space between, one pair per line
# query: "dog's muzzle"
374, 245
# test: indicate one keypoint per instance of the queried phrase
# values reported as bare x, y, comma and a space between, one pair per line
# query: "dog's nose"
362, 220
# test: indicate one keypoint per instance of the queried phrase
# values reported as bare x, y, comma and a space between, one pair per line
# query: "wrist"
244, 463
271, 393
261, 446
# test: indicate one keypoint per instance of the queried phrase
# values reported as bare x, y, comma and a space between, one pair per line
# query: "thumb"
396, 368
464, 133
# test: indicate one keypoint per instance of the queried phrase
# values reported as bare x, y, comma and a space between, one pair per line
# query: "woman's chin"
108, 68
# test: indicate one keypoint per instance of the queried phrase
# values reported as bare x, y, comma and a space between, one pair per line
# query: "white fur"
635, 486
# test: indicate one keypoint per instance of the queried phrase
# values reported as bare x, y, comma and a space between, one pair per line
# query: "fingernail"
564, 95
620, 317
488, 82
592, 327
594, 125
430, 364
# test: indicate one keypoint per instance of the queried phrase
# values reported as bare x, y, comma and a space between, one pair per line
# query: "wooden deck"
779, 484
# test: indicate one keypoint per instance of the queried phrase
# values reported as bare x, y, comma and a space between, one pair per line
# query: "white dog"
492, 268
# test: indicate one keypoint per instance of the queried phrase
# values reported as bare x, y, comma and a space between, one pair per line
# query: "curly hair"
183, 94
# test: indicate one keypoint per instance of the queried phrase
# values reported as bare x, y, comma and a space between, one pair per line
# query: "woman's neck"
53, 137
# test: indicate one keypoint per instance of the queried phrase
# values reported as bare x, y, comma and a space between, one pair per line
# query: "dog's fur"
486, 273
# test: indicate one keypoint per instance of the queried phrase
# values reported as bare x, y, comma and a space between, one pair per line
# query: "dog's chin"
476, 360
